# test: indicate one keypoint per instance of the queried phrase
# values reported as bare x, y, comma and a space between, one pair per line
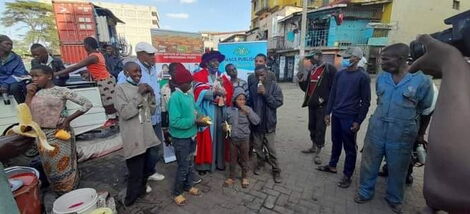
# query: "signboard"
177, 46
242, 55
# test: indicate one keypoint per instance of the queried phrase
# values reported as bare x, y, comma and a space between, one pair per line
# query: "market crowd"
215, 120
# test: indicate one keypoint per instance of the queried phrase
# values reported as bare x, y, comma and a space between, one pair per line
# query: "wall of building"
411, 18
212, 39
139, 19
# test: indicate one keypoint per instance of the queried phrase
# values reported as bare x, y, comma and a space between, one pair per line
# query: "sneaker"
317, 160
156, 177
345, 182
148, 189
396, 208
197, 180
360, 199
277, 177
257, 170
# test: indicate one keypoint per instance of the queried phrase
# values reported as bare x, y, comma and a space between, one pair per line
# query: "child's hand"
203, 121
143, 88
245, 109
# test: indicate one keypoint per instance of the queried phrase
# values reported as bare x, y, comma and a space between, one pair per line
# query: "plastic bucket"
27, 197
81, 201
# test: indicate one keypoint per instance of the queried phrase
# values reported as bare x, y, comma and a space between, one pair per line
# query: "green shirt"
181, 109
7, 203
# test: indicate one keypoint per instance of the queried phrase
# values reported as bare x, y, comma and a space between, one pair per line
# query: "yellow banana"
27, 127
206, 120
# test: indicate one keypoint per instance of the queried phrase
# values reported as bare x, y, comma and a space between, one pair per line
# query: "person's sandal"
228, 182
309, 151
245, 183
326, 168
180, 200
194, 191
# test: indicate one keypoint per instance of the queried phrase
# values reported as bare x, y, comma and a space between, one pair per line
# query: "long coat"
135, 124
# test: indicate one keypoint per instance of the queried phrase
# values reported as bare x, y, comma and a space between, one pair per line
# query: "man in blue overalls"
393, 128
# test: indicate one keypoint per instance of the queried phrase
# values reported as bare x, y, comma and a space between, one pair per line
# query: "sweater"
350, 95
182, 113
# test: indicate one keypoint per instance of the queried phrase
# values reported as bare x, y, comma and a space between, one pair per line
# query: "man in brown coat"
135, 104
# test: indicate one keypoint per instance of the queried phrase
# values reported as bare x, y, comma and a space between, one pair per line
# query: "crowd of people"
405, 102
212, 117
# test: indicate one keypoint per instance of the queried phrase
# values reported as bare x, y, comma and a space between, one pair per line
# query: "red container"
27, 197
75, 21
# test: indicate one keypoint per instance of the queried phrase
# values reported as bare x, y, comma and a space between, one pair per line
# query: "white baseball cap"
352, 51
145, 47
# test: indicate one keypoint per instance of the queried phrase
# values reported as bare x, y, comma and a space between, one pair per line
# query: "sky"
185, 15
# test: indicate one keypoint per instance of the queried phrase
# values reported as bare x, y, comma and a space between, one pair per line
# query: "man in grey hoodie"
239, 118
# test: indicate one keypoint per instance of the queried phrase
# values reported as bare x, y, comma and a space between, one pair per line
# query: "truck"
77, 20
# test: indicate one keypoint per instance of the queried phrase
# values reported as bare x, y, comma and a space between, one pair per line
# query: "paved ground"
304, 189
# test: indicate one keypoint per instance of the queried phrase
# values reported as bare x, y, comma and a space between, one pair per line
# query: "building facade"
139, 19
332, 26
212, 39
410, 18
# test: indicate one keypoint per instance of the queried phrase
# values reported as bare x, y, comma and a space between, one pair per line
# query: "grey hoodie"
240, 122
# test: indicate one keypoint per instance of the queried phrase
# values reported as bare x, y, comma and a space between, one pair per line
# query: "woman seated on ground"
47, 104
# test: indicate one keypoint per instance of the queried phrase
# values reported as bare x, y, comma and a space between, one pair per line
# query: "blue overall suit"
392, 131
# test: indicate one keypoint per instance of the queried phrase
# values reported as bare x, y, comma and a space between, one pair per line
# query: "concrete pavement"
304, 189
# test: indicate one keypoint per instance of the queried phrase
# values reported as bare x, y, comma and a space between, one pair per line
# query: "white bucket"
80, 201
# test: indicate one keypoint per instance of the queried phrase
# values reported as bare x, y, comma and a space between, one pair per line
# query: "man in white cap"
146, 60
348, 104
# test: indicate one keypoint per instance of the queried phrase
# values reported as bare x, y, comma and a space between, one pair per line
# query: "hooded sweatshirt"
239, 121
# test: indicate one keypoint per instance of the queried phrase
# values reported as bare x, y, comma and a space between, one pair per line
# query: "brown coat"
135, 124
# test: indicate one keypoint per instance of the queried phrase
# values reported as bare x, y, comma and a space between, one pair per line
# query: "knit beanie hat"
182, 75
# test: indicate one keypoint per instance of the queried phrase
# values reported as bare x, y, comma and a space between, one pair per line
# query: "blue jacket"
398, 107
12, 66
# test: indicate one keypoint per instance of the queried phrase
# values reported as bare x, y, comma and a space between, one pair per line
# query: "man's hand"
201, 122
300, 76
144, 88
31, 89
435, 49
261, 90
355, 127
327, 120
220, 91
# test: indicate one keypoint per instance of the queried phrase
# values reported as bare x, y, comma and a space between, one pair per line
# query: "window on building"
154, 13
254, 6
456, 5
154, 22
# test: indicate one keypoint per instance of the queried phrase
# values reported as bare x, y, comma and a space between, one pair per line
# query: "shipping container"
77, 20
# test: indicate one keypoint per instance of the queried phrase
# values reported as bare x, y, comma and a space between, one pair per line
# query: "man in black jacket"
316, 83
43, 57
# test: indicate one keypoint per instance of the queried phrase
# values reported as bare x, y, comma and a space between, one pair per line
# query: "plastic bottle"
421, 153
